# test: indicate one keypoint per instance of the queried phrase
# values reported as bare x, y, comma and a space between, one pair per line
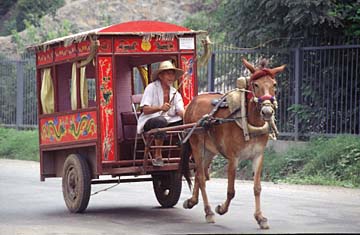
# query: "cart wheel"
76, 183
167, 188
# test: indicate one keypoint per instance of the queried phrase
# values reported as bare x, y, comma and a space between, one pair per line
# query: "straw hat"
166, 65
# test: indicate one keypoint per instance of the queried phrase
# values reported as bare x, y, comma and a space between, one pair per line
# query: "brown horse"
228, 140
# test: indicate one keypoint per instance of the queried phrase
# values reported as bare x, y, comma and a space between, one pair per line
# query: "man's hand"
165, 107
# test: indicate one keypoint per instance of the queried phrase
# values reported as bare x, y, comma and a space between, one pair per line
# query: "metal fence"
318, 93
18, 106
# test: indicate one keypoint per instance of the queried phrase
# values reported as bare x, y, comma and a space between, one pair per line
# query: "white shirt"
154, 96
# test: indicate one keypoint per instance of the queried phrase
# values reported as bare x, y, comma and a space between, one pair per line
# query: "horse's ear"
249, 66
278, 69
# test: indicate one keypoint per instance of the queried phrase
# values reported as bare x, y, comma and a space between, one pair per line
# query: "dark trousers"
159, 122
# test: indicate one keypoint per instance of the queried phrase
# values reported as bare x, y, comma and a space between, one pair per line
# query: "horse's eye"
275, 86
256, 85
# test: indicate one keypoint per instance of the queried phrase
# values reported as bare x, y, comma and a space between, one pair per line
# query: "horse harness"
235, 100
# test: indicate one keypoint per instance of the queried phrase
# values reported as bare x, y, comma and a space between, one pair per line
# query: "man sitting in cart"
162, 105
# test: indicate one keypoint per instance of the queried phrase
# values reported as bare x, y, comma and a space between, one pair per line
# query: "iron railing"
318, 93
18, 106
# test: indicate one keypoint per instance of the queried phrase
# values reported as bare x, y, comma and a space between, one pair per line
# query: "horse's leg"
191, 202
208, 159
209, 214
200, 183
208, 156
200, 175
257, 167
232, 165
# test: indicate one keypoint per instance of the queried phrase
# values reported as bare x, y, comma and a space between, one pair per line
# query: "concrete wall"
281, 146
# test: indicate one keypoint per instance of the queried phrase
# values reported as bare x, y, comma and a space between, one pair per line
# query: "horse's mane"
263, 63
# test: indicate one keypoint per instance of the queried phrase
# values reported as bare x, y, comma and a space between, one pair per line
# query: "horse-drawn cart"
87, 87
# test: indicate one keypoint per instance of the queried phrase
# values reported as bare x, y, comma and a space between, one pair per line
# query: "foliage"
297, 23
5, 6
28, 10
39, 34
334, 161
208, 17
337, 159
349, 13
22, 145
252, 22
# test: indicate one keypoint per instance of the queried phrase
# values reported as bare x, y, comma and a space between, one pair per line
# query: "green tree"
16, 13
34, 35
5, 6
251, 22
207, 16
349, 13
35, 9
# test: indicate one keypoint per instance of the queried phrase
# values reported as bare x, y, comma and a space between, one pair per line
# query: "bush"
22, 145
324, 161
336, 159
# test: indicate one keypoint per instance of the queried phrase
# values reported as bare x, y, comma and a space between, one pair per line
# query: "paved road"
28, 206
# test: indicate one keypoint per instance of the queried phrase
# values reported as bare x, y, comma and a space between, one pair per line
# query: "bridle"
265, 100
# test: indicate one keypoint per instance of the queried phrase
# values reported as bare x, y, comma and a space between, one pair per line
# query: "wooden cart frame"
83, 137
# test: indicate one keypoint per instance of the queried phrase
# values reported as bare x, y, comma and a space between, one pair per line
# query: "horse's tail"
184, 162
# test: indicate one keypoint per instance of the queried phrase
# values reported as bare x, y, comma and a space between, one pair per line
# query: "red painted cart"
87, 127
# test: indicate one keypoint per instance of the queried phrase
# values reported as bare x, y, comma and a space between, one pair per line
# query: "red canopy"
144, 26
139, 28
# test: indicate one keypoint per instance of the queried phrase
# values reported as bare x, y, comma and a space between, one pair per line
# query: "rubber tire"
167, 188
76, 183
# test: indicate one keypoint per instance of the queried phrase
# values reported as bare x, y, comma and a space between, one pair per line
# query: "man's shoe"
157, 162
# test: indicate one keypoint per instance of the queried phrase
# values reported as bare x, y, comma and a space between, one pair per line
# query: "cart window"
92, 91
64, 83
73, 87
87, 86
47, 91
140, 79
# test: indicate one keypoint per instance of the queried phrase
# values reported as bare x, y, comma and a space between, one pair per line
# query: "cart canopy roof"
136, 28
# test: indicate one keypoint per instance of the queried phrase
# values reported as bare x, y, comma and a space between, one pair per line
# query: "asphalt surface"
28, 206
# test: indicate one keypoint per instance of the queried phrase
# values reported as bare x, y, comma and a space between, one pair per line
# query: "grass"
22, 145
322, 161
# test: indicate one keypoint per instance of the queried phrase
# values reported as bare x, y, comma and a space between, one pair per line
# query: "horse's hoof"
210, 218
187, 204
263, 223
219, 210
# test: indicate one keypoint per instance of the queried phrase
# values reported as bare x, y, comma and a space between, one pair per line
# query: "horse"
229, 140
